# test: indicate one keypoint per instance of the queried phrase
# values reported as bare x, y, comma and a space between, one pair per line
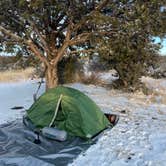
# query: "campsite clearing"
138, 139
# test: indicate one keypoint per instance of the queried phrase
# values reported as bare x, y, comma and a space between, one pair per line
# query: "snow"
109, 76
106, 77
16, 94
139, 139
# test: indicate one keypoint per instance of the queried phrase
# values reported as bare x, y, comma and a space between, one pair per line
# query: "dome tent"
70, 110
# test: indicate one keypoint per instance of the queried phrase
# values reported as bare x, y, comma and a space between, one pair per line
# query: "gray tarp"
17, 148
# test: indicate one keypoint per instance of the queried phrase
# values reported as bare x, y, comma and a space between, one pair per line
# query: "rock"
123, 111
17, 107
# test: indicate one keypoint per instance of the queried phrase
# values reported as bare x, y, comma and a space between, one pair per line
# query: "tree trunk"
51, 77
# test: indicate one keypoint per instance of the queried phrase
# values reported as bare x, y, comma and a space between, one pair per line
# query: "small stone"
129, 158
154, 118
123, 111
17, 107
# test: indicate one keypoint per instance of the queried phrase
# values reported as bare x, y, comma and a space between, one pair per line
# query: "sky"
163, 43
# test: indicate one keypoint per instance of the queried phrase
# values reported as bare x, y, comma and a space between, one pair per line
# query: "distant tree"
52, 29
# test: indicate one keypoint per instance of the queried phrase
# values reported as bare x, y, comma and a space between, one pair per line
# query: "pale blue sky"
163, 43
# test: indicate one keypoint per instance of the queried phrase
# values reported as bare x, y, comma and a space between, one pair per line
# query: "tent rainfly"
70, 110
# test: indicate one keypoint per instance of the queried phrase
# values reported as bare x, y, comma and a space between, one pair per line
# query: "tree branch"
98, 8
61, 50
82, 51
81, 38
11, 34
78, 41
40, 37
103, 4
29, 43
36, 51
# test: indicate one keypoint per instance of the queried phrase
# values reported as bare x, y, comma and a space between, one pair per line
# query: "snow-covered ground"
139, 139
14, 95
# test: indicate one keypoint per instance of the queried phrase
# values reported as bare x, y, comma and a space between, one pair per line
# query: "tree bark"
51, 76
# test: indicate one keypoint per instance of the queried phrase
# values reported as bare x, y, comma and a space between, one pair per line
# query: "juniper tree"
51, 29
120, 31
132, 48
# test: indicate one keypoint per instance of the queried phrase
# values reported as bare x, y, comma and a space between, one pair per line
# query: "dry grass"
16, 75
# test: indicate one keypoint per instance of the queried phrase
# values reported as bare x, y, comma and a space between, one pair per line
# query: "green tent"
69, 110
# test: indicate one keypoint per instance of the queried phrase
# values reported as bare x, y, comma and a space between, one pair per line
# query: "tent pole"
56, 111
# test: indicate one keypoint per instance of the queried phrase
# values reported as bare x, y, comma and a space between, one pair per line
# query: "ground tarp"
17, 148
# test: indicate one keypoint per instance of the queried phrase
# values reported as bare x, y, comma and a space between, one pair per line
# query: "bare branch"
11, 34
84, 37
43, 42
29, 43
82, 51
79, 41
64, 46
81, 38
103, 4
36, 51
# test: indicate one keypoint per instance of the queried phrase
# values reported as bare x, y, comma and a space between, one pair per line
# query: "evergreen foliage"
120, 31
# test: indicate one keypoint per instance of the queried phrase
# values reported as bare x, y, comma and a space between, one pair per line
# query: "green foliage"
130, 49
121, 31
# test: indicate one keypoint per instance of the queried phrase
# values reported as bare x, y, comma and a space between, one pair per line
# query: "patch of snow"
106, 77
157, 85
109, 76
16, 94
